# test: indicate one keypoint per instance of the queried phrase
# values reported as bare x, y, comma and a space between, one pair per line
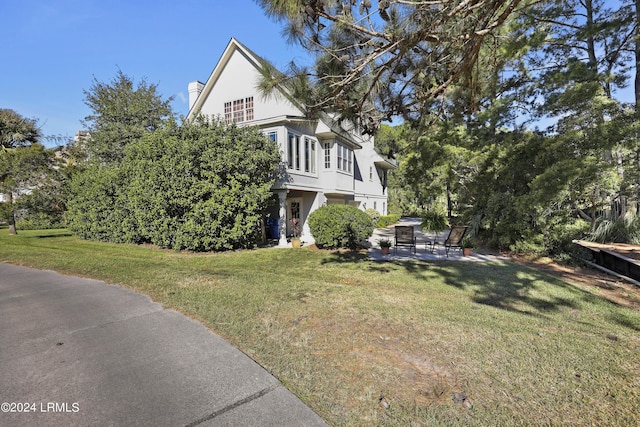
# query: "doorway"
294, 211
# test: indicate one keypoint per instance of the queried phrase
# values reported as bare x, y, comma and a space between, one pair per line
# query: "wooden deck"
620, 259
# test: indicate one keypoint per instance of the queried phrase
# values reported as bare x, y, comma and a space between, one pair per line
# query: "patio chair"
454, 239
404, 237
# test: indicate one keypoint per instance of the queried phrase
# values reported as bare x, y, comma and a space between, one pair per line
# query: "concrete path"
78, 352
423, 252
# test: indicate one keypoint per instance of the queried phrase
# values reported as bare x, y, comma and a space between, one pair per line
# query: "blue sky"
52, 49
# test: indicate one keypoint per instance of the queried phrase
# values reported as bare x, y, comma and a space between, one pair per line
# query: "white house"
326, 162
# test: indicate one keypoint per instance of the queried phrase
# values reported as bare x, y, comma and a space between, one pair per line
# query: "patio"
422, 249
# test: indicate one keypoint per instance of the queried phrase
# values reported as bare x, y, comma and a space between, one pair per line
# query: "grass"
447, 343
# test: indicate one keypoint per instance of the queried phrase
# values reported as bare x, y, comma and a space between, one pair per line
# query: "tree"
121, 115
374, 62
202, 186
16, 130
23, 161
22, 169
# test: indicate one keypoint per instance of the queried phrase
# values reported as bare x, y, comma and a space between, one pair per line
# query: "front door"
294, 212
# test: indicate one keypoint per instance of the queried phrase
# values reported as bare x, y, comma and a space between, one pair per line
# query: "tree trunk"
637, 93
12, 215
637, 52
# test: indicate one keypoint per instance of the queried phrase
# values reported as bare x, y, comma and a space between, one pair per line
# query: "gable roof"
328, 123
255, 60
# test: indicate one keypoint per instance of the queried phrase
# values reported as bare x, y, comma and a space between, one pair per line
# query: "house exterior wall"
330, 164
238, 79
370, 188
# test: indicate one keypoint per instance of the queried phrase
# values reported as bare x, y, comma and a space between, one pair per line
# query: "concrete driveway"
79, 352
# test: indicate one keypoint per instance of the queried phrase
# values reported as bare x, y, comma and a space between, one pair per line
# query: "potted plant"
295, 240
467, 246
385, 245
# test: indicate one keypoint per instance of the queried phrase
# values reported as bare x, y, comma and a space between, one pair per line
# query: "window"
309, 155
227, 112
345, 158
345, 155
240, 110
301, 153
370, 173
273, 136
327, 155
292, 150
248, 105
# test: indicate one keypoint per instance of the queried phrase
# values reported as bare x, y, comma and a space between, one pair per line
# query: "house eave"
386, 164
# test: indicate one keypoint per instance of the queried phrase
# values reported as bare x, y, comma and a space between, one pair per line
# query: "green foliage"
378, 61
434, 221
24, 170
373, 214
198, 187
625, 229
40, 221
340, 226
385, 243
16, 130
121, 114
95, 210
387, 220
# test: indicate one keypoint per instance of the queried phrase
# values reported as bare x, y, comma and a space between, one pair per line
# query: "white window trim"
239, 110
344, 158
302, 154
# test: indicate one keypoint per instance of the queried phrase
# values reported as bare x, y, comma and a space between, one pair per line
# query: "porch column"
282, 197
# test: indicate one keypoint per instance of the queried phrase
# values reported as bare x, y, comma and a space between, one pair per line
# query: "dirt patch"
599, 283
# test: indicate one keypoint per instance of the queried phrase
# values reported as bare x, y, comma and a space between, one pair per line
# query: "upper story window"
238, 111
301, 153
345, 158
327, 155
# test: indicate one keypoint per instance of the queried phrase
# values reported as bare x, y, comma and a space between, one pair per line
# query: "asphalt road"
79, 352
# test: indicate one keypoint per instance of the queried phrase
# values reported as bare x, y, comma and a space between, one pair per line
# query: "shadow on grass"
45, 233
67, 234
503, 285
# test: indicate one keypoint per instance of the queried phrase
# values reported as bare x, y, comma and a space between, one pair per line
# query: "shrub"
198, 187
373, 214
387, 220
40, 221
434, 221
340, 226
625, 229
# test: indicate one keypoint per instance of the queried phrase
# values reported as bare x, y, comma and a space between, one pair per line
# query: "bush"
625, 229
387, 220
197, 187
374, 215
40, 221
340, 226
434, 221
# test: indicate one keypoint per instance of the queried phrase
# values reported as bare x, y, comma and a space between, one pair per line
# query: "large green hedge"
197, 187
340, 226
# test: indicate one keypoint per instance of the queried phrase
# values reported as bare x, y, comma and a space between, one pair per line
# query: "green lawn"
340, 330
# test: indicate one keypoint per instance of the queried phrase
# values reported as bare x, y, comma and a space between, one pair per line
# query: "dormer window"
238, 111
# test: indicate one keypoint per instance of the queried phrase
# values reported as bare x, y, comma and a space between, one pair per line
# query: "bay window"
301, 153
